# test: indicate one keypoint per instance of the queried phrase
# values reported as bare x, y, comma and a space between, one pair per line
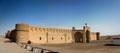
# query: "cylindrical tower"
22, 33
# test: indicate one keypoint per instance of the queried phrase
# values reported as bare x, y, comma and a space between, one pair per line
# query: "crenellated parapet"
23, 27
50, 30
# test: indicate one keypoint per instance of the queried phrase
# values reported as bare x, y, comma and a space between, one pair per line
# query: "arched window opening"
29, 42
61, 38
68, 38
52, 38
40, 38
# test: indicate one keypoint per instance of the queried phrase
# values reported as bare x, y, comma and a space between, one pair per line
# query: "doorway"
78, 37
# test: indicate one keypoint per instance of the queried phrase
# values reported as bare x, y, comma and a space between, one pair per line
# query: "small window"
61, 38
50, 30
29, 42
67, 31
54, 30
52, 38
68, 37
47, 30
31, 29
43, 29
39, 29
40, 38
36, 29
61, 31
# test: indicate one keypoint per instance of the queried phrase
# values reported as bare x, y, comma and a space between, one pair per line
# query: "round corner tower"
22, 31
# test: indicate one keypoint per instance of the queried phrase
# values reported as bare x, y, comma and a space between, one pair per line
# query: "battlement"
50, 30
22, 27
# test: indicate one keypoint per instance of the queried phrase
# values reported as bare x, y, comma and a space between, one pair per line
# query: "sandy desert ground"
101, 46
10, 47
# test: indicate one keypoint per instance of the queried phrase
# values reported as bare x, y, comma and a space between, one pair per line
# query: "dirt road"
94, 47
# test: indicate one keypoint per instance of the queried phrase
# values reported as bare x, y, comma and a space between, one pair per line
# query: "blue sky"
101, 15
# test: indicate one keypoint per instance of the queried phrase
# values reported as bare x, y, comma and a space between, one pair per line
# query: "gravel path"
9, 47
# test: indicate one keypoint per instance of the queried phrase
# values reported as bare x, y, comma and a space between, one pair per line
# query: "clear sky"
101, 15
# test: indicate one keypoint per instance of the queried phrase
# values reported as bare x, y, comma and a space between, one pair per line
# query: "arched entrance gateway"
78, 37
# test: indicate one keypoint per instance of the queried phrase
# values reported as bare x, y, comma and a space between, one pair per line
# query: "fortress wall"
49, 35
56, 38
69, 37
37, 35
93, 36
60, 36
22, 33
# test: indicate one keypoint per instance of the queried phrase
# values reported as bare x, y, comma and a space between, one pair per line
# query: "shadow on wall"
87, 36
11, 35
111, 45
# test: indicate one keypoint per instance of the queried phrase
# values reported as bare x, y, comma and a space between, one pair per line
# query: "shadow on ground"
111, 45
8, 41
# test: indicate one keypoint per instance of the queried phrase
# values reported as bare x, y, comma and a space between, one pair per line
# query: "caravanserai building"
24, 33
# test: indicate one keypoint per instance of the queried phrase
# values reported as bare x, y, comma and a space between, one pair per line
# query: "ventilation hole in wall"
47, 30
61, 38
29, 42
52, 38
36, 29
68, 37
40, 38
39, 29
31, 29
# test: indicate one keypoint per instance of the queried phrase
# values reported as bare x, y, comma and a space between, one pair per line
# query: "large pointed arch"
78, 37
